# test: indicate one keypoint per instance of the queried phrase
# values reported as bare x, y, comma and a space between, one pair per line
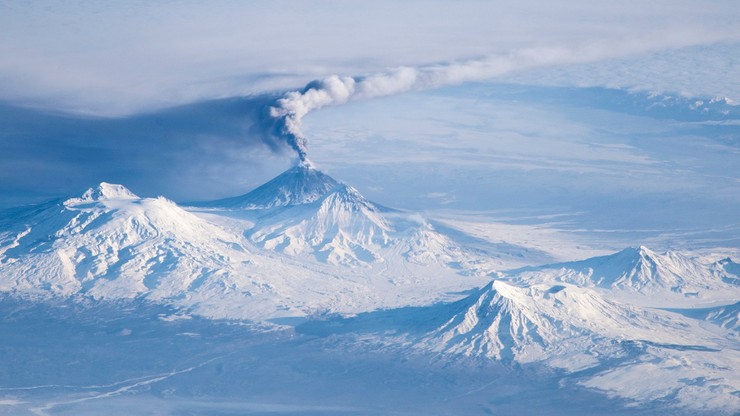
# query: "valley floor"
122, 359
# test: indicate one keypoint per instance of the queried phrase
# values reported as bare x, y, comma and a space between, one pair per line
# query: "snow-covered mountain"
109, 243
668, 279
301, 184
306, 213
588, 317
628, 351
339, 227
567, 326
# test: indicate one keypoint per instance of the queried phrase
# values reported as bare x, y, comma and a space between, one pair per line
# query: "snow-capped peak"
661, 278
350, 199
641, 267
563, 324
340, 227
109, 244
306, 212
105, 191
299, 185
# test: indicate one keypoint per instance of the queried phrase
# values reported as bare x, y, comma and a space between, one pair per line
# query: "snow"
110, 244
301, 184
704, 381
564, 238
643, 355
339, 228
104, 191
564, 326
308, 251
727, 317
640, 275
239, 368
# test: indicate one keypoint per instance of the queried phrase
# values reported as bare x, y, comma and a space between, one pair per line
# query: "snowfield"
308, 255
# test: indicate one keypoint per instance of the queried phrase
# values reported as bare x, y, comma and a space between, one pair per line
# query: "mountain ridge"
667, 277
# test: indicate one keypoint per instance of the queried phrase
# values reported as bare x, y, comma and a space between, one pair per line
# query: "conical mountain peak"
546, 322
299, 185
348, 195
639, 252
105, 191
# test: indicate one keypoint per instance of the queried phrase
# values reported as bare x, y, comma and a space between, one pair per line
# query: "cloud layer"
139, 57
288, 112
199, 151
120, 58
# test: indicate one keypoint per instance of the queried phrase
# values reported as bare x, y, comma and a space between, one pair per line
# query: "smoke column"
289, 110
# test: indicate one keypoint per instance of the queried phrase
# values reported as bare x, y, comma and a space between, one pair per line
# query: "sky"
174, 98
119, 58
589, 159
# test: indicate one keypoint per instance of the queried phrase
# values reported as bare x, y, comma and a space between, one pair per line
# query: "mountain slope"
662, 279
727, 317
301, 184
566, 326
109, 243
637, 353
306, 213
341, 227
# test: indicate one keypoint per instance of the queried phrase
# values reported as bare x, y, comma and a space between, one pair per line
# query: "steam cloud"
288, 111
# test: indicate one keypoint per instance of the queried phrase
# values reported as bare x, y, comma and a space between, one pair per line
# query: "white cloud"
694, 71
336, 90
116, 58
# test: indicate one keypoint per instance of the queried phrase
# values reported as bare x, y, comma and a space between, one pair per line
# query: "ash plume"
288, 112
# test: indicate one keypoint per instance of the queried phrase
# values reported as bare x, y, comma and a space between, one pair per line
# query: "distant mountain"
663, 277
695, 109
593, 319
567, 326
640, 353
563, 326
